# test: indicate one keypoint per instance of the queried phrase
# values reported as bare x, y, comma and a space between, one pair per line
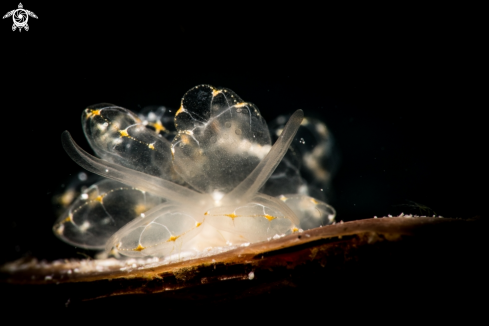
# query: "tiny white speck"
251, 275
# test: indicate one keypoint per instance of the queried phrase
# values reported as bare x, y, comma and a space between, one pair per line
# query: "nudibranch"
205, 179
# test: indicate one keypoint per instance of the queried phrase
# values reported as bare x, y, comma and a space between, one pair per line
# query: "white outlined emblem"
20, 17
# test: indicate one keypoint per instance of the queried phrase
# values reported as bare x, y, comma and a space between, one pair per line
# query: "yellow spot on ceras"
139, 248
240, 105
206, 213
295, 229
232, 215
158, 126
197, 224
100, 198
139, 209
186, 140
180, 110
283, 198
114, 253
314, 201
123, 133
151, 146
215, 92
173, 238
92, 113
68, 219
269, 217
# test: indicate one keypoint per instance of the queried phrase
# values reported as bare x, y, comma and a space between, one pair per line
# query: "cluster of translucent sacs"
207, 177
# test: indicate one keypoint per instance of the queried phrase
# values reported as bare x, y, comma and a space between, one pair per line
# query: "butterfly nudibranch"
199, 183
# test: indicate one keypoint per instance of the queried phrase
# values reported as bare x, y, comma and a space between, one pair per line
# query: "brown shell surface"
308, 259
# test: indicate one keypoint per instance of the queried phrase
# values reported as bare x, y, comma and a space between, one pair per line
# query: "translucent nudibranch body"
199, 180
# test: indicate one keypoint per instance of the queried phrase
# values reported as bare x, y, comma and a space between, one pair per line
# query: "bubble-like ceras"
220, 140
200, 190
309, 163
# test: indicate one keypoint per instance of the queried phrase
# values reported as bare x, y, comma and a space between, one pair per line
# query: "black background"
398, 87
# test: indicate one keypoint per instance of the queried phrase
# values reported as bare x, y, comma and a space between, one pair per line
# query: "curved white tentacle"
250, 186
142, 181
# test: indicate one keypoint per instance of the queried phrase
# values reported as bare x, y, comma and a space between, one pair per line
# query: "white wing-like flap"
220, 139
257, 178
8, 14
30, 13
100, 211
159, 187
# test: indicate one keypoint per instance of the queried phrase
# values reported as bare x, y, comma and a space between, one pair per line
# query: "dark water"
396, 91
